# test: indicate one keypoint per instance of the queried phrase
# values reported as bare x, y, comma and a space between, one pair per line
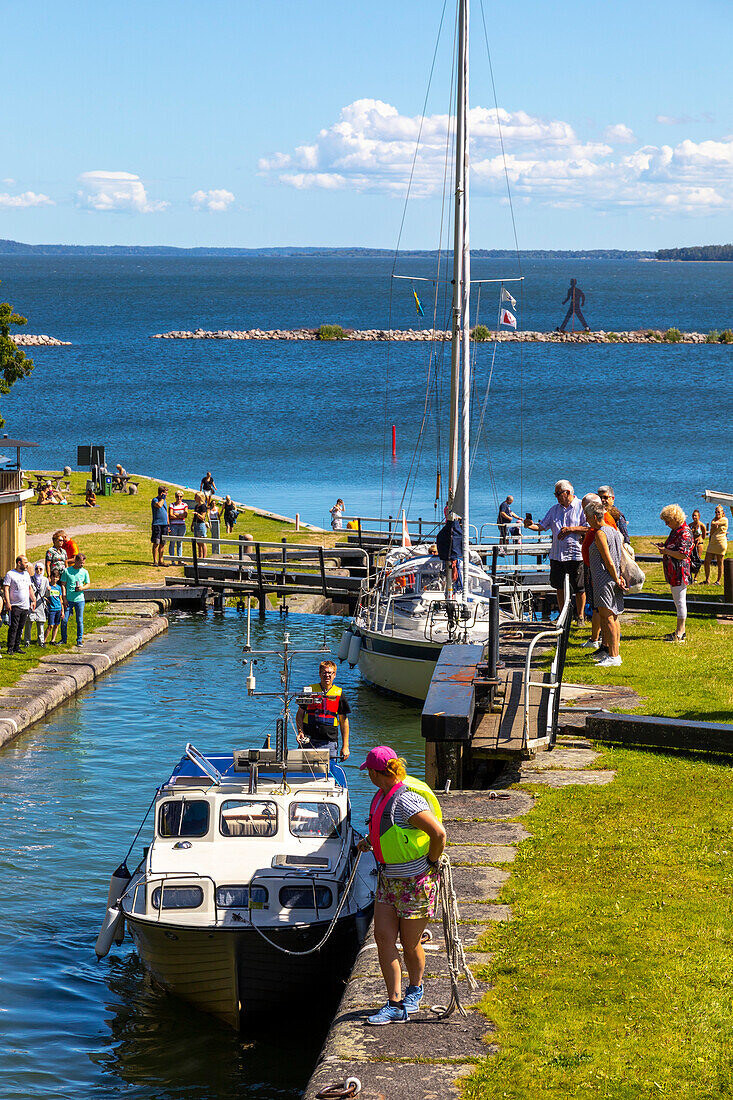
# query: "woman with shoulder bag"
608, 583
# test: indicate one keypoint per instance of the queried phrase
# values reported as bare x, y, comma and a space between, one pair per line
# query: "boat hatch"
312, 863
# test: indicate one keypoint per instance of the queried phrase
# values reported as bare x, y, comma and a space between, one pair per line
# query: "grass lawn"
615, 978
692, 680
124, 557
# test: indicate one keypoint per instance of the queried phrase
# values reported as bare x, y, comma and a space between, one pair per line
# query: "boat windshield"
248, 817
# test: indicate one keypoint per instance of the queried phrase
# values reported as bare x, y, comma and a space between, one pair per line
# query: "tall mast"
465, 306
459, 212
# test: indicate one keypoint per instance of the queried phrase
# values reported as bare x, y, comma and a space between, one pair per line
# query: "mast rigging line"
397, 248
519, 258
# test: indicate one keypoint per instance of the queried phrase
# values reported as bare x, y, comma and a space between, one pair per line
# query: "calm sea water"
291, 426
74, 790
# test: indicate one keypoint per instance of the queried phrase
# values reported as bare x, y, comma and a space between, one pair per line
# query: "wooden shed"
13, 503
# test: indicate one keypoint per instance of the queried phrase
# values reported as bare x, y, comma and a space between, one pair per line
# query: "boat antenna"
286, 695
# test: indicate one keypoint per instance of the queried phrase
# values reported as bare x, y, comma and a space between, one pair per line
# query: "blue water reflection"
74, 791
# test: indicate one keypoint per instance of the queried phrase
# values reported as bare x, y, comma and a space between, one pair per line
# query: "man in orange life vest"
319, 722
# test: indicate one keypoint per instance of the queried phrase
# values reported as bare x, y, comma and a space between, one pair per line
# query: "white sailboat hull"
401, 665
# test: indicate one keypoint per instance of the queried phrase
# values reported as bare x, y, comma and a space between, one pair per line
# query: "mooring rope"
329, 930
455, 955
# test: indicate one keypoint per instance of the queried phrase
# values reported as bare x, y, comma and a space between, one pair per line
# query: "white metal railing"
554, 683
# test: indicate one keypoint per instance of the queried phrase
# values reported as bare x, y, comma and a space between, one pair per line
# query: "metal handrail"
553, 684
150, 877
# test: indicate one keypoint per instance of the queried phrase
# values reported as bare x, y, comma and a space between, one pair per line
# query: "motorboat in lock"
251, 897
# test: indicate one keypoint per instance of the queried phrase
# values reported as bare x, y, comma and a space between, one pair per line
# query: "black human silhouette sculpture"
576, 297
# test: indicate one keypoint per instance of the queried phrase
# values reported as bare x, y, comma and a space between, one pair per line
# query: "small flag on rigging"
418, 303
506, 297
406, 540
507, 318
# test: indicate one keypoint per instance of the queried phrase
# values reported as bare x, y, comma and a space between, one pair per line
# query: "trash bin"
106, 485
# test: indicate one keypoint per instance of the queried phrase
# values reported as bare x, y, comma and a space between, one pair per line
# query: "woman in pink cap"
407, 839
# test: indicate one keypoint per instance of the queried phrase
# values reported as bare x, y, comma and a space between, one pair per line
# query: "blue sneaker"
389, 1014
413, 996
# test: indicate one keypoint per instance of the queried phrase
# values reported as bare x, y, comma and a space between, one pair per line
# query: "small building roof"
5, 442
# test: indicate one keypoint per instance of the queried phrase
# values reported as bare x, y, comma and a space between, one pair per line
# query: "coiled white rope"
455, 955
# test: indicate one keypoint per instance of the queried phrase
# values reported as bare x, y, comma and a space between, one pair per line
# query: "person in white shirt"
568, 524
18, 597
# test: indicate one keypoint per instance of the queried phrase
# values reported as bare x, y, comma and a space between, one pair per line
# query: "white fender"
113, 925
108, 931
119, 932
354, 647
343, 650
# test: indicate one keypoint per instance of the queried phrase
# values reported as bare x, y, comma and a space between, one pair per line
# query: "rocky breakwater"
28, 340
642, 336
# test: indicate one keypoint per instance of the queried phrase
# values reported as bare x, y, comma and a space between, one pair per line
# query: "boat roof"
188, 772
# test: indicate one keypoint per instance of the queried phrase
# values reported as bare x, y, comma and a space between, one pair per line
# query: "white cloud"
28, 198
119, 191
685, 120
215, 201
619, 134
371, 147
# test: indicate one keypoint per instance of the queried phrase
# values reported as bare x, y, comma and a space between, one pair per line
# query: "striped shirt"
407, 804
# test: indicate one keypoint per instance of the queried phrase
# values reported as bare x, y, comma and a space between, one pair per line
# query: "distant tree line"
699, 252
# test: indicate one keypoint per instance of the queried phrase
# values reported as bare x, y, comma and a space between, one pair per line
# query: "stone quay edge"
61, 676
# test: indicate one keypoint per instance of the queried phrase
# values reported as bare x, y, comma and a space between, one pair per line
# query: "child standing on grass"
55, 607
38, 613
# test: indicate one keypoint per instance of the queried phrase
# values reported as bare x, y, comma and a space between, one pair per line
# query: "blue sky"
282, 122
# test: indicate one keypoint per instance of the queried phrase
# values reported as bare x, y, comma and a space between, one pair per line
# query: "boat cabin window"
241, 897
248, 817
184, 818
301, 897
178, 897
319, 819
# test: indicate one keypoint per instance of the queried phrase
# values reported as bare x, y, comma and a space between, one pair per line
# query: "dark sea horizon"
290, 426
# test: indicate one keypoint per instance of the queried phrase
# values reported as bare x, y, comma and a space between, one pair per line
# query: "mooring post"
261, 599
493, 636
728, 580
241, 556
494, 562
297, 521
358, 527
322, 564
194, 551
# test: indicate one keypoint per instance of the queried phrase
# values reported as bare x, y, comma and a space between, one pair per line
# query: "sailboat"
422, 600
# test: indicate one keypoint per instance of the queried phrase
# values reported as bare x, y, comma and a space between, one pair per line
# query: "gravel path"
44, 538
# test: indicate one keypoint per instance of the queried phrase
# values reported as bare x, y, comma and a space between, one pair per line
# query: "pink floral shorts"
413, 898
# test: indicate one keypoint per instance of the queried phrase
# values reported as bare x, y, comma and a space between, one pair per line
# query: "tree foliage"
14, 363
697, 252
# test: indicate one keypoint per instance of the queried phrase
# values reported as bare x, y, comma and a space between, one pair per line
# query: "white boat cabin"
242, 838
